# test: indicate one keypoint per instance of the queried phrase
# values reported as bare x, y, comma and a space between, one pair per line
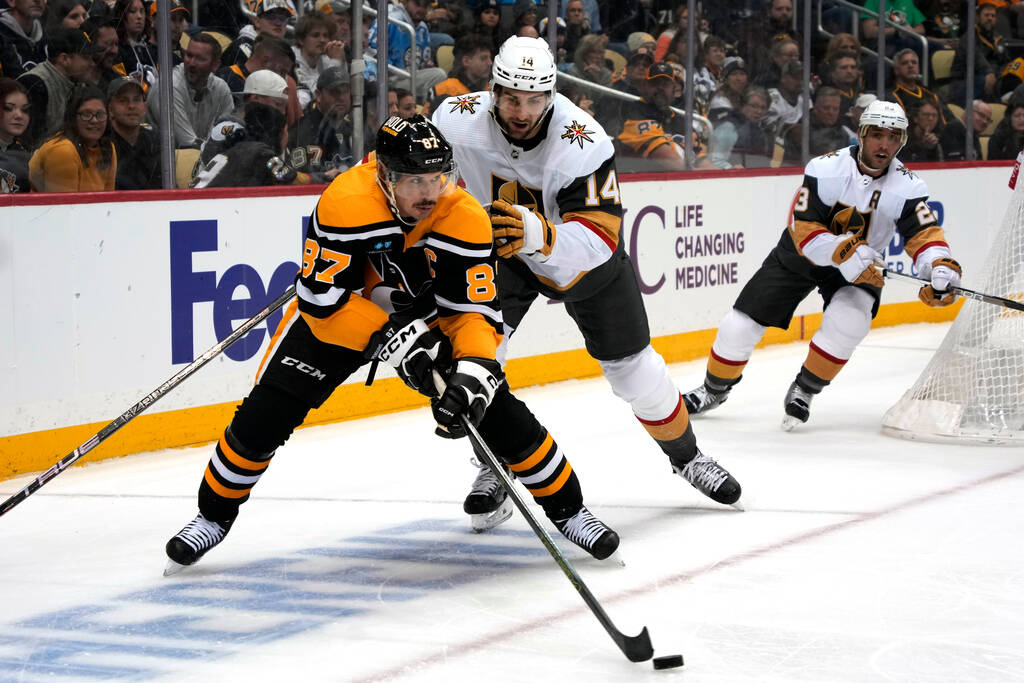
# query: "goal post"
973, 388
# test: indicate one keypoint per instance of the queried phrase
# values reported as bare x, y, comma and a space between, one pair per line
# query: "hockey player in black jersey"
398, 267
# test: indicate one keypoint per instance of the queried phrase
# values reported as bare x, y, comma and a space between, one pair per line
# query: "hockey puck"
668, 662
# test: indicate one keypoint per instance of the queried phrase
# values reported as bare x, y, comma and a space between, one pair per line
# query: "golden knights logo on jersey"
465, 103
577, 132
848, 219
514, 192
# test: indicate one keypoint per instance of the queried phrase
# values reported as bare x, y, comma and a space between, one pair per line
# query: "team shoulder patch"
577, 132
464, 103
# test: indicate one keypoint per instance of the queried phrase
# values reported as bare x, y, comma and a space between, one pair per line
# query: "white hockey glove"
410, 347
849, 253
519, 230
470, 390
943, 273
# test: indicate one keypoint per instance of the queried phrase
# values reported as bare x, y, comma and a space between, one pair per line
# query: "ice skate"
703, 399
797, 406
487, 504
711, 479
589, 533
191, 543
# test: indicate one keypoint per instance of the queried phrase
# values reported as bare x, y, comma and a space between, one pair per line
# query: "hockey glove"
519, 230
408, 346
470, 390
857, 261
945, 272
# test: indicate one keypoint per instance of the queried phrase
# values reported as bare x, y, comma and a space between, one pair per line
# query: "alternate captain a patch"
465, 103
514, 192
577, 132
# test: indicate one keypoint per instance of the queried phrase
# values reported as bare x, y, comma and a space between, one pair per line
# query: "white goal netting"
973, 387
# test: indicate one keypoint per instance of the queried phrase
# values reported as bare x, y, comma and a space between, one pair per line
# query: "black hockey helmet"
413, 145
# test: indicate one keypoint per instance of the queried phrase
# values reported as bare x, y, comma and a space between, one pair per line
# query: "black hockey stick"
637, 648
158, 393
966, 293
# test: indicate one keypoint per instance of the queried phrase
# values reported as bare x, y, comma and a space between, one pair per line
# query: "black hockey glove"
470, 390
410, 347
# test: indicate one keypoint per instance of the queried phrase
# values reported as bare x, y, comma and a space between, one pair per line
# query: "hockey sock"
810, 382
821, 366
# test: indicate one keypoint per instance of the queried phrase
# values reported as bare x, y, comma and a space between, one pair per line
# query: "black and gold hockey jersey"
443, 268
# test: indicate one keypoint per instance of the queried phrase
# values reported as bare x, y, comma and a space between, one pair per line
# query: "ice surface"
858, 558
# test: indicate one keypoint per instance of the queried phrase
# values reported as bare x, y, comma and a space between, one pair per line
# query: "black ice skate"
797, 406
703, 399
589, 533
487, 504
710, 478
191, 543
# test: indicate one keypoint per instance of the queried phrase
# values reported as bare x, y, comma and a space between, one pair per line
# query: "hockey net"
973, 387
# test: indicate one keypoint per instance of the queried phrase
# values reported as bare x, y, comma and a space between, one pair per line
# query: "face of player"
520, 112
416, 194
127, 108
315, 42
92, 121
14, 116
75, 17
135, 19
878, 147
478, 65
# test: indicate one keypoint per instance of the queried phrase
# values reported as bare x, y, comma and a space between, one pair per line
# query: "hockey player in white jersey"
547, 170
851, 203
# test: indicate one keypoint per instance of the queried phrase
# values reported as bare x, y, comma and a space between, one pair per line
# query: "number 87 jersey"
565, 172
360, 264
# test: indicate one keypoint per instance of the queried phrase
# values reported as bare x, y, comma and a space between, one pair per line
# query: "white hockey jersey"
836, 197
567, 173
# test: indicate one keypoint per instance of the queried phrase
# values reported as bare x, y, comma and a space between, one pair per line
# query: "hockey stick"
966, 293
158, 393
637, 648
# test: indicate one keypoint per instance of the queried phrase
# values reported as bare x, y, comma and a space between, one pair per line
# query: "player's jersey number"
479, 278
337, 260
609, 189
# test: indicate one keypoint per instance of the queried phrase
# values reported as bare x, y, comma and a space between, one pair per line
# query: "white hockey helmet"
524, 64
881, 114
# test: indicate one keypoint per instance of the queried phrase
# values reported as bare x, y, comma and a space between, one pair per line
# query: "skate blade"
789, 422
615, 559
739, 506
488, 520
173, 568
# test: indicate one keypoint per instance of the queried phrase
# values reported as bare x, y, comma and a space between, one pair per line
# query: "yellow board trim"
38, 451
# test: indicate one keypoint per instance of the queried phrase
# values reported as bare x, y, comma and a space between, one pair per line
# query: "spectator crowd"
261, 92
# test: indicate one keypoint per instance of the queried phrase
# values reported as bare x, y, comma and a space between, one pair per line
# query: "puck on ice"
668, 662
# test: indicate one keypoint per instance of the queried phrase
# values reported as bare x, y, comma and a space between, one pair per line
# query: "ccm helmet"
524, 64
880, 114
411, 146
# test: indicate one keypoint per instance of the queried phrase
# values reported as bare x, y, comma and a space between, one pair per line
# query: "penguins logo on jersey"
513, 192
577, 132
465, 103
849, 219
8, 182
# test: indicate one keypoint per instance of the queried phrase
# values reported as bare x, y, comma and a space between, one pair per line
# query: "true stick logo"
190, 286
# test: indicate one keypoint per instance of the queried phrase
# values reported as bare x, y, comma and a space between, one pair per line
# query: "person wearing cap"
50, 83
315, 52
180, 16
488, 23
272, 18
400, 49
198, 97
471, 71
321, 141
257, 160
651, 134
787, 106
136, 143
22, 38
268, 52
263, 87
730, 92
740, 139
